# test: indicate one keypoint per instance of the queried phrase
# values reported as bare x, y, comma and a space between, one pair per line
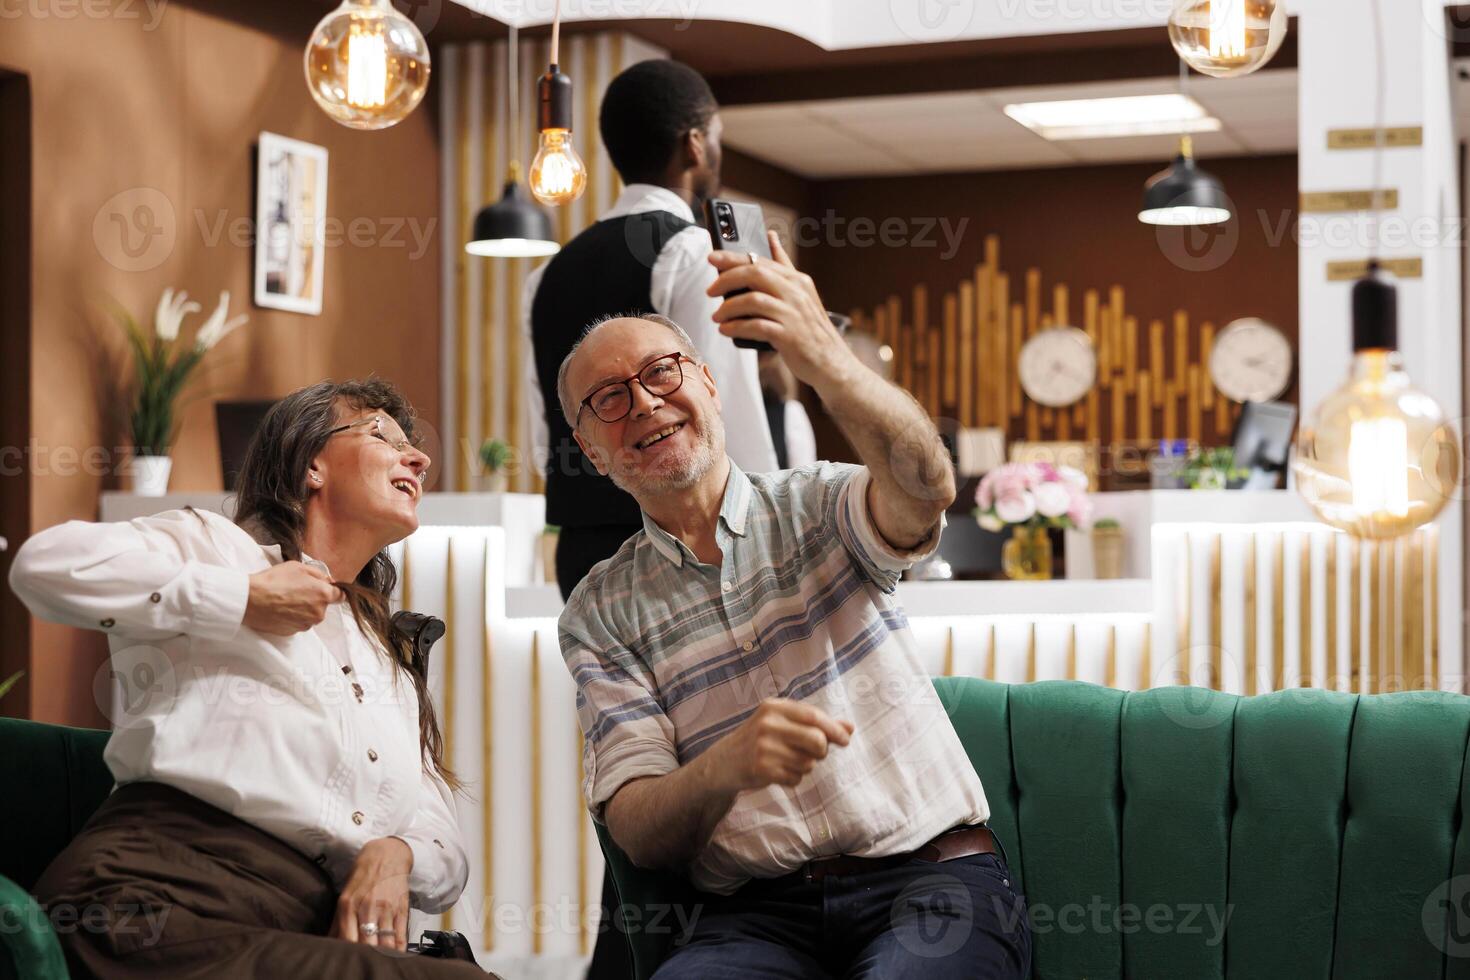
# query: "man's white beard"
682, 473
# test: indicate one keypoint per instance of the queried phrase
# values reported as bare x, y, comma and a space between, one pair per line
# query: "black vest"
604, 271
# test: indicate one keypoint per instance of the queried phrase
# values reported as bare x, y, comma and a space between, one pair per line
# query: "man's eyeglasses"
659, 377
385, 429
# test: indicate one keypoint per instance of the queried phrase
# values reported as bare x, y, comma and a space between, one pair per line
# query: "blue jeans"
957, 919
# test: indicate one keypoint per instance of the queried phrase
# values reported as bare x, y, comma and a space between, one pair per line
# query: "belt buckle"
806, 874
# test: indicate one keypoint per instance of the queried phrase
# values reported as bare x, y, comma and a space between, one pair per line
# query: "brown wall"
1079, 226
174, 106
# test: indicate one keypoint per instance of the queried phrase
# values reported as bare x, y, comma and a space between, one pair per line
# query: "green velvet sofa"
1326, 829
51, 780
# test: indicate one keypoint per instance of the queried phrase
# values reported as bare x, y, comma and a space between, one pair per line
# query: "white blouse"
313, 737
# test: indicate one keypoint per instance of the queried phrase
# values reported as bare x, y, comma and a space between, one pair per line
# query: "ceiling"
939, 132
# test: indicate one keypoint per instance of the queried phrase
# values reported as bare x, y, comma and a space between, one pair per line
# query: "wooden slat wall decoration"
956, 351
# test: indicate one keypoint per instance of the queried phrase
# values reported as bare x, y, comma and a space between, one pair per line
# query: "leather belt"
957, 843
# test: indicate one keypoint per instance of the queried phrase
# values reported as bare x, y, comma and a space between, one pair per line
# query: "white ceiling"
966, 131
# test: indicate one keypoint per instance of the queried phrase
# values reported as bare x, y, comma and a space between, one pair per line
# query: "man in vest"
661, 126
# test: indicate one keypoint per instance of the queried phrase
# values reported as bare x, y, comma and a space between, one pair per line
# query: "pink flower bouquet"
1038, 494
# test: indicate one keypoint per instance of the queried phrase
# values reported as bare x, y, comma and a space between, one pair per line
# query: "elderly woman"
282, 795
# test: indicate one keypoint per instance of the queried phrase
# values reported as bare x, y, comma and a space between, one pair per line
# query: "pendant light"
558, 175
367, 65
1227, 38
1377, 458
1183, 194
512, 227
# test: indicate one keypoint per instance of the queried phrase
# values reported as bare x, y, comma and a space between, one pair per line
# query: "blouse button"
155, 597
357, 816
749, 646
372, 756
109, 623
727, 587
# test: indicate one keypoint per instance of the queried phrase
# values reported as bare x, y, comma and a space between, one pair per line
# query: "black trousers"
577, 550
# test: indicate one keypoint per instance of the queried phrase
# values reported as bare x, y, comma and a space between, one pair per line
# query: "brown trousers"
161, 884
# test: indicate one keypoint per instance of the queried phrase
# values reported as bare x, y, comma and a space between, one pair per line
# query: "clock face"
1058, 366
1251, 361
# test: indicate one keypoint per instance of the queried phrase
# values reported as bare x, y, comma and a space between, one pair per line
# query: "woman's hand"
289, 598
376, 892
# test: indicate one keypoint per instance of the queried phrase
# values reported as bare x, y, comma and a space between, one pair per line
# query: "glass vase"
1026, 557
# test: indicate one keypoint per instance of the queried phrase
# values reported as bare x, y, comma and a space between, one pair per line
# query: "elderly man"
754, 708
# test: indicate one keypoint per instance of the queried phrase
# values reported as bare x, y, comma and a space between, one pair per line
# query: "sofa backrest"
52, 779
1324, 829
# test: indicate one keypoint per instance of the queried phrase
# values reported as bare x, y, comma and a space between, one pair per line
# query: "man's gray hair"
569, 404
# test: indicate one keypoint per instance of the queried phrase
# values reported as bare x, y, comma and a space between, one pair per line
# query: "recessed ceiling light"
1137, 115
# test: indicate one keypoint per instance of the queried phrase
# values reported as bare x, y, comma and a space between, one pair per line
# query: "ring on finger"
368, 928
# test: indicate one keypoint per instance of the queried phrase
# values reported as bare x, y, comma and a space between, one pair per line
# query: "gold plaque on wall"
1320, 202
1364, 139
1357, 269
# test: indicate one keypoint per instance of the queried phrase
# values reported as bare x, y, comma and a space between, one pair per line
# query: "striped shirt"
670, 655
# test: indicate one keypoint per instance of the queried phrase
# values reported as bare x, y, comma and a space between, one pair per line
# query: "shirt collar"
733, 512
639, 198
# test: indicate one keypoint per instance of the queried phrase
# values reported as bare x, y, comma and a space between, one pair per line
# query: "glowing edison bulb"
367, 65
558, 175
1377, 459
1225, 38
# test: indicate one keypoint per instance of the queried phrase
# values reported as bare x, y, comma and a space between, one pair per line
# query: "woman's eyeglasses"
659, 377
385, 429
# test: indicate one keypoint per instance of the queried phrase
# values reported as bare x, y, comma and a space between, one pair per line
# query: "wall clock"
1058, 366
1251, 361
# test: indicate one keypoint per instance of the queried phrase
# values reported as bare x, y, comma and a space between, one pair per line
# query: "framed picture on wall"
290, 221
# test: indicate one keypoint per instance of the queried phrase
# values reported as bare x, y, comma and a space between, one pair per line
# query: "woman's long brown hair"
272, 494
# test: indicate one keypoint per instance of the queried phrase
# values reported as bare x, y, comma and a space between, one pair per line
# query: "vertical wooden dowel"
1206, 348
1304, 613
1146, 659
1181, 347
1110, 666
1335, 681
1216, 625
1355, 617
947, 668
1278, 610
1375, 616
935, 369
1033, 301
1413, 615
1094, 408
992, 654
1105, 353
1018, 324
1130, 352
1171, 412
1251, 617
966, 369
1072, 652
949, 365
1145, 408
1192, 401
1156, 364
1118, 421
1431, 561
1030, 653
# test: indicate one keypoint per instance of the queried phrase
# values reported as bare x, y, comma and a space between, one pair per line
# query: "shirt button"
109, 623
357, 817
372, 756
749, 646
155, 597
727, 587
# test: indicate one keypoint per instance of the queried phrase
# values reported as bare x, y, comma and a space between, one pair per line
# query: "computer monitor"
236, 423
1263, 436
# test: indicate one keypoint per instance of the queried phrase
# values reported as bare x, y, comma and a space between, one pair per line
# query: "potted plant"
1031, 499
495, 457
162, 364
1213, 469
549, 537
1107, 548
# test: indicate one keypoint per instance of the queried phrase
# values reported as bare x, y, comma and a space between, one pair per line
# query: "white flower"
1074, 476
990, 522
170, 314
217, 328
1015, 508
1053, 499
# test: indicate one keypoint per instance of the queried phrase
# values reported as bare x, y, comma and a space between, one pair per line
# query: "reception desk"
1240, 592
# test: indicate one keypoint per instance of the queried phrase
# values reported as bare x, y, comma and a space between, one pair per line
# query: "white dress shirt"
681, 274
267, 728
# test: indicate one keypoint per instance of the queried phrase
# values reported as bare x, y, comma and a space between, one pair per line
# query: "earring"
315, 478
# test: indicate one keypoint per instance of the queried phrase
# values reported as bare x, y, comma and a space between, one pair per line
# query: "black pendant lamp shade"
1183, 194
513, 226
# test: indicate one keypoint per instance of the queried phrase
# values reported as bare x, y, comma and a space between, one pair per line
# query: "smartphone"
736, 226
